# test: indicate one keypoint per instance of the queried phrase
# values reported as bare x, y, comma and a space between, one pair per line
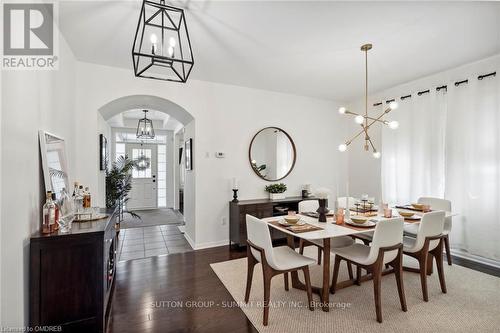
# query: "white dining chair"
436, 204
342, 202
385, 249
311, 206
427, 244
279, 260
308, 206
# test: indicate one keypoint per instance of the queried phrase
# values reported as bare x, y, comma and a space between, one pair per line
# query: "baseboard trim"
477, 263
189, 240
211, 244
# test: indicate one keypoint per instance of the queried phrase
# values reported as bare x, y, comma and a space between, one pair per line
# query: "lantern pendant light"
145, 128
162, 47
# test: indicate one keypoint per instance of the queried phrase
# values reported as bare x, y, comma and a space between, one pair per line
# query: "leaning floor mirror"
54, 163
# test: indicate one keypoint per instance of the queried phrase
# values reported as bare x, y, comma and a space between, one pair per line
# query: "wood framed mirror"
272, 154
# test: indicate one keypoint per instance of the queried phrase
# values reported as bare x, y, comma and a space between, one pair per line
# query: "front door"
144, 193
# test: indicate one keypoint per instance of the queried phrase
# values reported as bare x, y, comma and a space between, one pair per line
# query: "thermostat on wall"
220, 154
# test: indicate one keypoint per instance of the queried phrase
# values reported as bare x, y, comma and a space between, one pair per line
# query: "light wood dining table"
328, 230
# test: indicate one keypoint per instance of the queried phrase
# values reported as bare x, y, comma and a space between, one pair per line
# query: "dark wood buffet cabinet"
72, 276
259, 208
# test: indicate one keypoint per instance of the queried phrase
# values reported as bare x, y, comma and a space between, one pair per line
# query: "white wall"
365, 172
31, 100
226, 119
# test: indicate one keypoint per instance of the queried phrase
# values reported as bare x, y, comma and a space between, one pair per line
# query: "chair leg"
349, 270
398, 272
285, 276
250, 267
301, 246
307, 278
319, 255
430, 264
423, 275
438, 254
267, 294
377, 279
447, 248
358, 275
336, 267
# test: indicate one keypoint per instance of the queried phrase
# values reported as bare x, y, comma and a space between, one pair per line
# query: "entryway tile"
155, 245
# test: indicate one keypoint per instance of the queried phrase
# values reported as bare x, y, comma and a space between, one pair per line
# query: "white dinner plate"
285, 223
367, 224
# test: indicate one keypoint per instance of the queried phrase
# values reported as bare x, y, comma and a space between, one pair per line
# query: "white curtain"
413, 156
448, 145
473, 166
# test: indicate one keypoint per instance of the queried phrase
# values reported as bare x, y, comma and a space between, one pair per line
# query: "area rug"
472, 303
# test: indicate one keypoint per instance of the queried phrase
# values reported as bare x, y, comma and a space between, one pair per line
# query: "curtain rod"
445, 87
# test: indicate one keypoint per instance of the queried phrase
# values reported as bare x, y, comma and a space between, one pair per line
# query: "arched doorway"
185, 185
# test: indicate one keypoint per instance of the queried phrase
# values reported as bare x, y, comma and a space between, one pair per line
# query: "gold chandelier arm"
378, 118
354, 137
371, 143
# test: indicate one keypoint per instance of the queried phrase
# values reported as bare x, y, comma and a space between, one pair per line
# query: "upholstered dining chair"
436, 204
342, 202
428, 244
385, 249
279, 260
312, 206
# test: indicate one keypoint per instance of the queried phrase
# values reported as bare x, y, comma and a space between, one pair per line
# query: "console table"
260, 208
72, 276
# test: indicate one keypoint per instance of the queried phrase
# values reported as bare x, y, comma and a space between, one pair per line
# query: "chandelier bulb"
376, 154
359, 119
393, 105
342, 110
393, 124
172, 42
342, 147
170, 51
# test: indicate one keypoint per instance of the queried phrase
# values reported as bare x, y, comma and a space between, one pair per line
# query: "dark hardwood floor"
153, 294
157, 295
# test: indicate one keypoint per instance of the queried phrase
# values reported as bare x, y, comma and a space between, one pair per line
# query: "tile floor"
138, 243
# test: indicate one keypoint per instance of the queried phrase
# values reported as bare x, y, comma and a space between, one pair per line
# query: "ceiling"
305, 48
129, 119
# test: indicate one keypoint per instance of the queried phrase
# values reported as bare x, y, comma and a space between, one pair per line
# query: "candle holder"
322, 210
235, 195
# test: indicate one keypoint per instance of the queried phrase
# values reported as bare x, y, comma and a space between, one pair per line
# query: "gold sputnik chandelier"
366, 121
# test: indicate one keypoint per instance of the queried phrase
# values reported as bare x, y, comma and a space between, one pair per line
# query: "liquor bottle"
49, 212
55, 226
79, 199
75, 190
86, 198
67, 212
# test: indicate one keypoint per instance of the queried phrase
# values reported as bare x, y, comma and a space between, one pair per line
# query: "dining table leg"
294, 275
325, 297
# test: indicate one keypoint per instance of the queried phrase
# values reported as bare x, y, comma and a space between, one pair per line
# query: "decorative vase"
322, 210
276, 196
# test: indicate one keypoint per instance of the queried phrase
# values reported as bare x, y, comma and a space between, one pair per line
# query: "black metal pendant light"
162, 48
145, 128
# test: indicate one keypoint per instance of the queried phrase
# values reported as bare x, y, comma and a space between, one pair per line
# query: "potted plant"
276, 191
118, 186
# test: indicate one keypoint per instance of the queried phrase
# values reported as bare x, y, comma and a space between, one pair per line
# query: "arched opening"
158, 191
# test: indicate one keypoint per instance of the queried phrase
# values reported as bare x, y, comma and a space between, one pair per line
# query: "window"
119, 150
162, 176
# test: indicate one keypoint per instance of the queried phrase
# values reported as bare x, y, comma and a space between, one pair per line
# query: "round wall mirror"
272, 154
